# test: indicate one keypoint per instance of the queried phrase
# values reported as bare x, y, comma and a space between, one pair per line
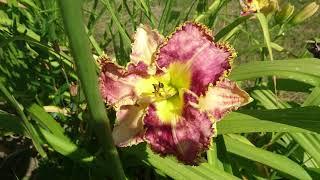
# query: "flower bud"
285, 13
268, 6
73, 88
305, 13
253, 6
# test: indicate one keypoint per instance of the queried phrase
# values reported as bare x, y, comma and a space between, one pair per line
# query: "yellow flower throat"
166, 91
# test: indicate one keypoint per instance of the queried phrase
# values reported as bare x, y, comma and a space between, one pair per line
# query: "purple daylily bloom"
172, 92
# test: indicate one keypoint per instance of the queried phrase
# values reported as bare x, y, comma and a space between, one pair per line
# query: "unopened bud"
253, 6
73, 88
285, 13
268, 6
305, 13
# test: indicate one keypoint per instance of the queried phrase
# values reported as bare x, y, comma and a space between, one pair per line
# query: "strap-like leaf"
304, 70
302, 119
275, 161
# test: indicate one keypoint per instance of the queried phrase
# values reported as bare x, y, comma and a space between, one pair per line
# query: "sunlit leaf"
279, 162
304, 70
302, 119
177, 170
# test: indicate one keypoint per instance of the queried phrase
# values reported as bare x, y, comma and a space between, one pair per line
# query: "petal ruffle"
186, 139
129, 129
222, 98
146, 41
117, 83
192, 44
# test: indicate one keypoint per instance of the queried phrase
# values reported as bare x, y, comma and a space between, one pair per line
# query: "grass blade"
147, 11
278, 162
313, 99
304, 70
210, 15
66, 148
115, 19
46, 120
164, 17
230, 27
179, 171
10, 123
309, 142
301, 119
25, 122
79, 43
265, 29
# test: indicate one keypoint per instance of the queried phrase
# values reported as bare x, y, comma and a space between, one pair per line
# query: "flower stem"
79, 43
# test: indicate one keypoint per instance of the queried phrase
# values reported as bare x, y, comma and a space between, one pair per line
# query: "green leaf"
212, 10
223, 32
222, 154
118, 24
313, 99
11, 123
278, 162
314, 172
40, 115
268, 99
309, 142
145, 7
304, 70
79, 43
94, 43
25, 122
302, 119
212, 156
177, 170
265, 29
7, 22
63, 146
292, 85
67, 148
165, 16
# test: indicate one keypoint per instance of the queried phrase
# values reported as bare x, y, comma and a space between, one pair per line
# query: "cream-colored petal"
222, 98
129, 129
146, 42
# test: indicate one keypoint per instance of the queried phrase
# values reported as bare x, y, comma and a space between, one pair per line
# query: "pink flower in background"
172, 92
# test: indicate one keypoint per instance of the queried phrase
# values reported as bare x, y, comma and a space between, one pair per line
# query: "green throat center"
162, 91
166, 91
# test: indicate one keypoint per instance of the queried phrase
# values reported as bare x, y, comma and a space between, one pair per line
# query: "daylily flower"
253, 6
172, 92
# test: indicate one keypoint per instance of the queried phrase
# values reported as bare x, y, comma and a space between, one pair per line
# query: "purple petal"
186, 140
192, 43
117, 83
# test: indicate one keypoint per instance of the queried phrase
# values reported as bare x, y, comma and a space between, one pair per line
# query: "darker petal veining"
186, 140
192, 44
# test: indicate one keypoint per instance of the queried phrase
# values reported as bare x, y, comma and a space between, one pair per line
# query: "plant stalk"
79, 43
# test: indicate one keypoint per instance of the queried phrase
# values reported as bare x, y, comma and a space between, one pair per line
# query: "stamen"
157, 88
